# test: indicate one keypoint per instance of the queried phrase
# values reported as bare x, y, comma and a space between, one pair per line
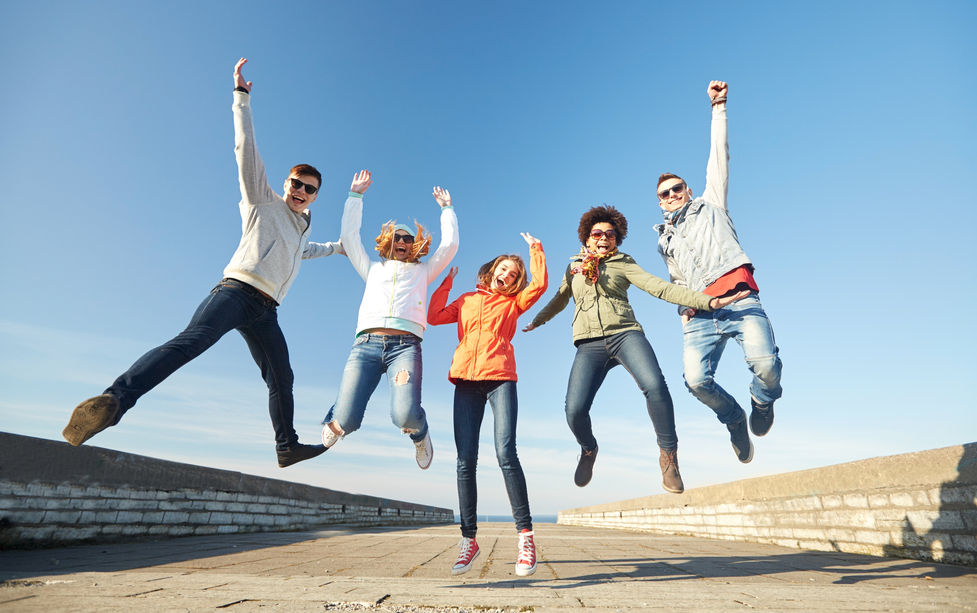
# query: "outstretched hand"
238, 79
342, 250
718, 303
528, 238
717, 89
452, 272
361, 181
529, 328
442, 196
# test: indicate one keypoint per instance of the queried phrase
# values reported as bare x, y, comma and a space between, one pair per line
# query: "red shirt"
733, 281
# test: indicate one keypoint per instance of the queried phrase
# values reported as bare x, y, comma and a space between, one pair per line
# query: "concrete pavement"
391, 569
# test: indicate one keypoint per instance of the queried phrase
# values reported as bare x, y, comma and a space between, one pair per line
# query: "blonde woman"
392, 319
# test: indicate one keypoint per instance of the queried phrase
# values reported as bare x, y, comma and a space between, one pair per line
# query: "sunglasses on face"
611, 234
309, 188
403, 238
676, 189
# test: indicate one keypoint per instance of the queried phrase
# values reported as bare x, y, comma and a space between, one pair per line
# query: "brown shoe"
91, 417
671, 478
585, 467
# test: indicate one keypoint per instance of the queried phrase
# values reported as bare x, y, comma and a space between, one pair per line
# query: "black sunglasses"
403, 238
676, 189
309, 188
612, 234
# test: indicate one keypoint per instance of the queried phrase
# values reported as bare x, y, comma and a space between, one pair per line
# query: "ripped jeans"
374, 354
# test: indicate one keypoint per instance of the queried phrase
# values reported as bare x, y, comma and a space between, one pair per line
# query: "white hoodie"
396, 292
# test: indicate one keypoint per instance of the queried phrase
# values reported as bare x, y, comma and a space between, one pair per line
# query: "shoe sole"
525, 572
749, 458
465, 569
89, 418
429, 460
670, 490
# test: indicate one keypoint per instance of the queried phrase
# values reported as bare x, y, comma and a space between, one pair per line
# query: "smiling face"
505, 275
677, 194
298, 199
402, 245
606, 242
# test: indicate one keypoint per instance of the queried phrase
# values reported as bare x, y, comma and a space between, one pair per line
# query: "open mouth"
603, 247
500, 283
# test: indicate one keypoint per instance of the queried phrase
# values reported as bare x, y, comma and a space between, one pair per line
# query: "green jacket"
603, 309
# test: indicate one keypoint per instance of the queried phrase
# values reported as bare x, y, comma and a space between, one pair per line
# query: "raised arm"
537, 268
717, 169
349, 235
251, 170
437, 312
556, 304
449, 235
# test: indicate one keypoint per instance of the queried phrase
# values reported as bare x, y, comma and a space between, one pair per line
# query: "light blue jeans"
373, 355
705, 337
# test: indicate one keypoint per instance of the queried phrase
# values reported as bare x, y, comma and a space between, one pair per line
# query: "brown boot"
671, 479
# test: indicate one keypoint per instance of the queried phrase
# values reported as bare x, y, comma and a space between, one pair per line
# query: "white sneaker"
329, 438
469, 551
526, 562
425, 451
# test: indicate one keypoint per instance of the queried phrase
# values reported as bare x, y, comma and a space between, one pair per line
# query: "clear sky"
851, 185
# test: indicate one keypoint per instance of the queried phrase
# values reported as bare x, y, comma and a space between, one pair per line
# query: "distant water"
537, 519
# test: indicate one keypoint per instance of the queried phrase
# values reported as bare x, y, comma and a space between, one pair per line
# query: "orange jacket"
487, 323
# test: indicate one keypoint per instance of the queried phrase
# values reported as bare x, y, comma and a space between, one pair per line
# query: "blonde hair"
487, 271
385, 242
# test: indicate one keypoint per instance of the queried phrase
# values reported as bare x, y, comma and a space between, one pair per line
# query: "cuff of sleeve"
355, 195
449, 207
241, 97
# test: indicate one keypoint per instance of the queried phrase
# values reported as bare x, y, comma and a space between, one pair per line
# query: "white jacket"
396, 292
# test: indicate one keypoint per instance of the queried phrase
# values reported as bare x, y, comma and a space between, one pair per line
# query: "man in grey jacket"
701, 249
274, 241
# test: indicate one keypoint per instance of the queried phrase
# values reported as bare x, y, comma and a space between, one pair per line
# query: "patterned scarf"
590, 267
671, 217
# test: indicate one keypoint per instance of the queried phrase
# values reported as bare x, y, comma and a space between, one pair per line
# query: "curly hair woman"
606, 334
391, 320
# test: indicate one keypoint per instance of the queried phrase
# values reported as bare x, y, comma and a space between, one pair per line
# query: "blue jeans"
705, 337
470, 397
374, 354
231, 305
594, 359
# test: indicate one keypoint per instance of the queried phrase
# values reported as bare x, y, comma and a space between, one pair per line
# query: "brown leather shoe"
91, 417
671, 478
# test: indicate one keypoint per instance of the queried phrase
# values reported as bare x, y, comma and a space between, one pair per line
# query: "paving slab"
409, 569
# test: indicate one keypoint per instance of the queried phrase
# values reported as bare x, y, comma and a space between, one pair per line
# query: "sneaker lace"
467, 549
527, 550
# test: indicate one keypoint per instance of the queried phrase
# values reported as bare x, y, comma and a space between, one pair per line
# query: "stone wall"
916, 505
54, 494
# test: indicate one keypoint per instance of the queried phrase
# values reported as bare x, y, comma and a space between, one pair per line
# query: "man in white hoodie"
274, 241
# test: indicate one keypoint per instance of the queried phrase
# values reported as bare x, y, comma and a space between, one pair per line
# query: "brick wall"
918, 505
54, 494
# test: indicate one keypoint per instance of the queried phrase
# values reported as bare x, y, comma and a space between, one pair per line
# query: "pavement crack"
743, 603
231, 604
213, 586
488, 563
159, 589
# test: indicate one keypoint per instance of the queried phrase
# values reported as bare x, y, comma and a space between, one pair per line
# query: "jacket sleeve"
251, 170
557, 303
319, 250
537, 287
669, 292
717, 169
350, 235
676, 276
437, 312
448, 247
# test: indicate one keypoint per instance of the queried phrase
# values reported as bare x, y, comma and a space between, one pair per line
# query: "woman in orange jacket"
484, 369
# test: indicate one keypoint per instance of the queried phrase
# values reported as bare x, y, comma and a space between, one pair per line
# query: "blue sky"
852, 163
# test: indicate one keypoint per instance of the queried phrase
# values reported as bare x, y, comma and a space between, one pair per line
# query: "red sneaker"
469, 551
526, 562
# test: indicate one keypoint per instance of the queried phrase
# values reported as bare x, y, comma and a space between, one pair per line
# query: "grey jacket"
702, 244
274, 238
